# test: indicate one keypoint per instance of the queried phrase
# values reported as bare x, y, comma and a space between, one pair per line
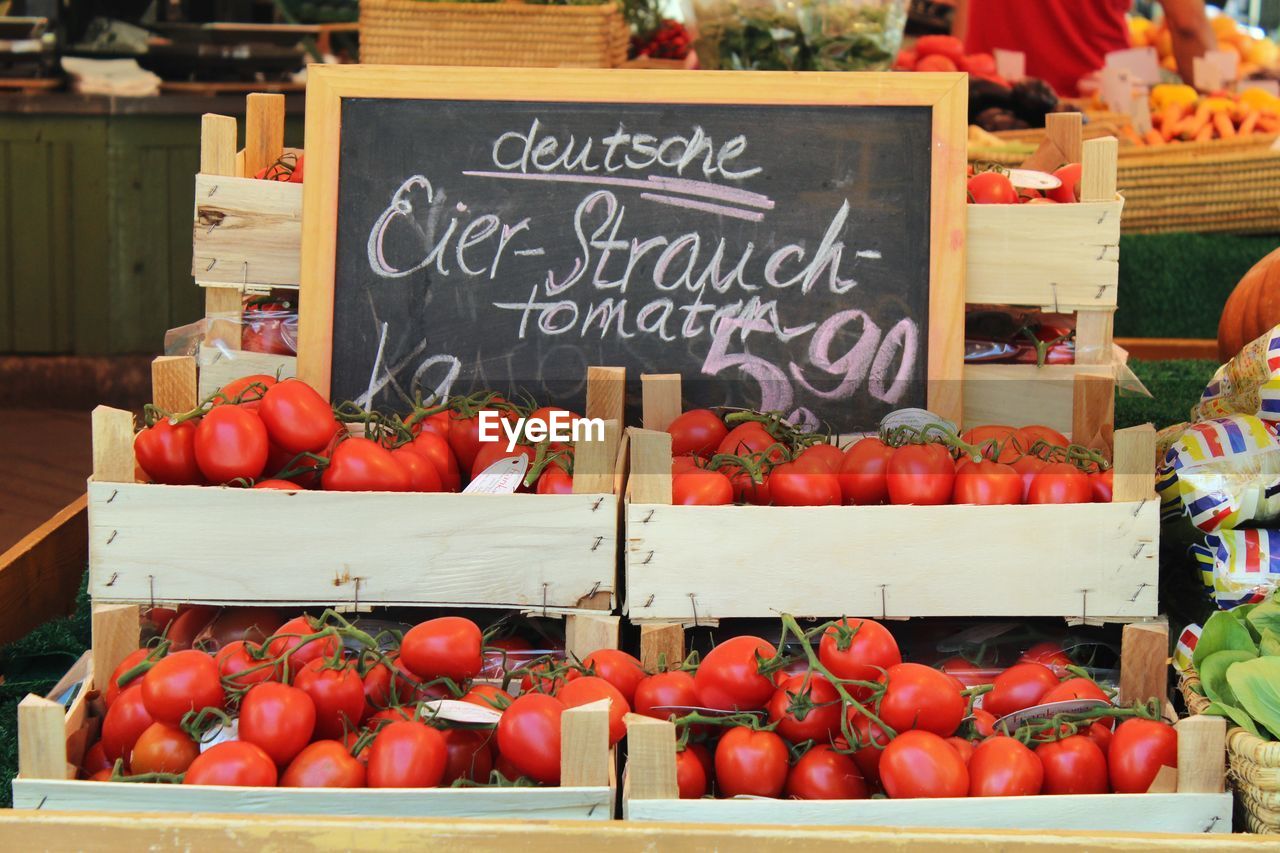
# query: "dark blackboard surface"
788, 269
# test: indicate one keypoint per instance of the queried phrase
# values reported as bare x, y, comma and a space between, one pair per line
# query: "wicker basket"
414, 32
1254, 766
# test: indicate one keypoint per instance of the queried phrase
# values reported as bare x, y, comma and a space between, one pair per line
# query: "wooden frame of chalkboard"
943, 95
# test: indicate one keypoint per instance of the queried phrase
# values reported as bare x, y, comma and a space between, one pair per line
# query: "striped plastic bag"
1223, 473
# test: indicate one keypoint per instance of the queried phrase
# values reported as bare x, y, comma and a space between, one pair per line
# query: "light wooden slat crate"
52, 740
1082, 561
1060, 258
1199, 806
544, 553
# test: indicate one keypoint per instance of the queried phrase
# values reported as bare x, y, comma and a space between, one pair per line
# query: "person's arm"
1192, 35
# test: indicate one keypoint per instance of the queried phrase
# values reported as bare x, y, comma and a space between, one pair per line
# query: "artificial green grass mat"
1174, 285
1175, 387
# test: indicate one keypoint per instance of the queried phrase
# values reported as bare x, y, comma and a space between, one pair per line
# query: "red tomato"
495, 451
871, 743
991, 188
550, 418
464, 435
163, 748
699, 487
997, 434
182, 682
661, 690
588, 689
750, 437
964, 671
984, 722
697, 432
824, 774
529, 736
906, 61
126, 720
167, 453
1070, 189
1138, 749
488, 696
237, 664
233, 762
792, 485
978, 63
1101, 734
468, 755
113, 684
338, 695
922, 764
1073, 765
407, 755
1004, 767
921, 474
95, 759
279, 718
1018, 687
1074, 688
423, 476
297, 418
935, 62
618, 668
948, 46
436, 450
282, 485
231, 444
806, 706
101, 775
1059, 483
820, 457
1028, 467
751, 763
289, 641
363, 465
446, 647
920, 697
241, 392
728, 678
962, 747
1050, 654
503, 765
862, 473
860, 650
1100, 485
1029, 435
691, 776
324, 764
437, 423
554, 480
987, 484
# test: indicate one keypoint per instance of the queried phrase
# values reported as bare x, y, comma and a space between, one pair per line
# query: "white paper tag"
501, 478
1010, 64
222, 734
1227, 63
1207, 74
1034, 180
456, 711
1049, 709
916, 418
1117, 89
1142, 63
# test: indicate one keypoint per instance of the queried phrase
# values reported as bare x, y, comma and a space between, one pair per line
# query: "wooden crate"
52, 739
1082, 561
1059, 258
1198, 806
549, 553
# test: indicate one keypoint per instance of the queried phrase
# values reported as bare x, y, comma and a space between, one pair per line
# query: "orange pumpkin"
1252, 308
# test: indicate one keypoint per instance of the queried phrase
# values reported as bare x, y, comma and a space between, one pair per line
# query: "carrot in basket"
1130, 134
1169, 117
1222, 124
1249, 122
1204, 134
1153, 137
1190, 128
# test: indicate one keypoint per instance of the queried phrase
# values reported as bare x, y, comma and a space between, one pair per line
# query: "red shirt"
1063, 40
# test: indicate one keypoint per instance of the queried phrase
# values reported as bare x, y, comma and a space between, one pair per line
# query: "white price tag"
1034, 180
1049, 709
1142, 63
1010, 64
221, 734
1227, 63
501, 478
456, 711
916, 418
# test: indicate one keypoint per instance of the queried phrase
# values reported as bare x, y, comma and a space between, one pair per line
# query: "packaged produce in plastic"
1224, 473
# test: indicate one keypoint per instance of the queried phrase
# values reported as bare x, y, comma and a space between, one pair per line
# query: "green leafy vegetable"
1263, 617
1222, 632
1256, 684
1235, 715
1270, 643
1213, 674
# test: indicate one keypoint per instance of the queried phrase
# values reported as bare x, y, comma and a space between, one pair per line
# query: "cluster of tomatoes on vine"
269, 434
320, 703
849, 719
753, 458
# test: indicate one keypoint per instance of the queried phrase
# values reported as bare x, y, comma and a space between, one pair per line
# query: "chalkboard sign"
779, 253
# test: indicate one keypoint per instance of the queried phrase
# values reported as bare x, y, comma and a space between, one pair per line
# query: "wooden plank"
651, 759
1093, 409
1093, 336
1065, 130
91, 309
650, 479
217, 145
263, 131
1166, 349
594, 461
661, 646
1098, 560
606, 393
112, 445
173, 383
1055, 257
1134, 464
1144, 661
1098, 169
1202, 750
116, 634
1022, 394
565, 803
584, 745
42, 747
33, 246
337, 548
39, 576
660, 400
1163, 813
219, 366
63, 199
246, 232
138, 831
589, 632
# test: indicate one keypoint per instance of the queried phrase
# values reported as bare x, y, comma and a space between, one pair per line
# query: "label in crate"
1047, 711
501, 478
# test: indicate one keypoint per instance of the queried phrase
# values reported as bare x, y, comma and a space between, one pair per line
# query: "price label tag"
221, 734
1142, 63
501, 478
1011, 64
1117, 89
1033, 180
1047, 710
1227, 63
1207, 74
916, 418
464, 712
